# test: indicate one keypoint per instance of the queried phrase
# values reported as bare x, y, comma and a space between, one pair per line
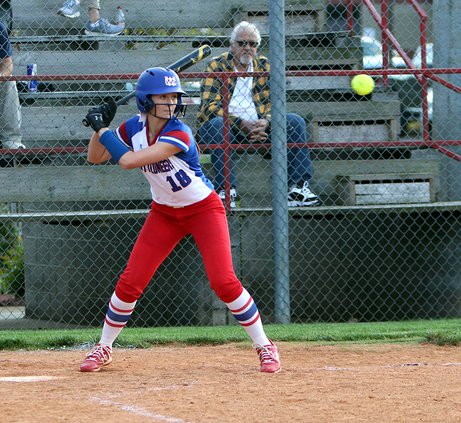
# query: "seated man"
249, 113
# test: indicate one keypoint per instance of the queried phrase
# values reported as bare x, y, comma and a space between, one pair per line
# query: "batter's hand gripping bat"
184, 63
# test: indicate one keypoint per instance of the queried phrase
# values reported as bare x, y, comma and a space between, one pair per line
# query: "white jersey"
179, 180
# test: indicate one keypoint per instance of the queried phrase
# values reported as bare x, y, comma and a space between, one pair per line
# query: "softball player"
184, 202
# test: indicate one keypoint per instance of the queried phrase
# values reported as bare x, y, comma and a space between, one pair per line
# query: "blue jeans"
298, 159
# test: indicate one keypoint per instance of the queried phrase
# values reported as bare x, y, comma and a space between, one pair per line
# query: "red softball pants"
164, 227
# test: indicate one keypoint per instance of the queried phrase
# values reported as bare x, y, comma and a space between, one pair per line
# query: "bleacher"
52, 116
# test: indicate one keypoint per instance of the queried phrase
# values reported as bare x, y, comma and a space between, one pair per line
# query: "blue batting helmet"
154, 81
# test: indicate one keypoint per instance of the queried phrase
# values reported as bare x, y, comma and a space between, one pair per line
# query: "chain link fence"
382, 239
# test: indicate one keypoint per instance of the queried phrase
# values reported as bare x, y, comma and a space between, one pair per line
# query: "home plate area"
176, 384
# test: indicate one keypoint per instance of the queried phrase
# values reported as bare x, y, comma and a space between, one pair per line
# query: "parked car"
418, 56
373, 54
412, 117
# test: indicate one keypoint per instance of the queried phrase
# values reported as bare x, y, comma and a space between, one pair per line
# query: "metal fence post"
279, 161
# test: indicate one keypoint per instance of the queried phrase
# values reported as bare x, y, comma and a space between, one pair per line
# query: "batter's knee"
128, 292
227, 291
295, 122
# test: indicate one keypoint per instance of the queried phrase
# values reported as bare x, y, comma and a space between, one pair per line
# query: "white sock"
118, 314
245, 311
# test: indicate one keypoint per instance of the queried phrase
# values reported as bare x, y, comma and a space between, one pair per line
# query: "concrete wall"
362, 265
447, 103
356, 265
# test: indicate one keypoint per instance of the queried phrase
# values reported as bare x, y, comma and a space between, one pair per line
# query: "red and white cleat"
269, 358
98, 357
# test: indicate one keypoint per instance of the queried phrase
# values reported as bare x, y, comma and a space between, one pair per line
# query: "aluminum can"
32, 70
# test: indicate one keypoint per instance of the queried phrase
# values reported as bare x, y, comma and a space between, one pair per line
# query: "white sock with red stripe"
245, 311
117, 316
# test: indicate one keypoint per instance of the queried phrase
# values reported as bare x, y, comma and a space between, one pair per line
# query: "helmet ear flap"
148, 104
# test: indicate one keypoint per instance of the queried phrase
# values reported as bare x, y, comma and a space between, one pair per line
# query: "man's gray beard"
246, 59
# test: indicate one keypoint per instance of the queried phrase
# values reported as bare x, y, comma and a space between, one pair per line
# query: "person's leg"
10, 116
299, 165
211, 233
2, 118
212, 132
156, 240
97, 25
299, 161
93, 10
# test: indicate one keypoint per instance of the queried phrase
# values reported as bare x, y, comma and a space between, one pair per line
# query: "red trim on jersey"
180, 135
123, 134
242, 308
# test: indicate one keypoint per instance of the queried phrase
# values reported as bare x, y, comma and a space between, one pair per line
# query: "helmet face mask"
156, 81
178, 109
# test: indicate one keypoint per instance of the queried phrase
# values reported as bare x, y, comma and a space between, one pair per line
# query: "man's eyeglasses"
244, 43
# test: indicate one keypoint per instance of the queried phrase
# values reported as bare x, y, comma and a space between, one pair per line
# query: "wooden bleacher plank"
168, 15
77, 182
137, 13
49, 126
102, 62
72, 183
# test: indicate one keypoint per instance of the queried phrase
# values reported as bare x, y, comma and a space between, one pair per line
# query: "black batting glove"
95, 119
108, 110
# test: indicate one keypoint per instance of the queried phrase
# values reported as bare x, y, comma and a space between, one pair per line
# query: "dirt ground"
177, 384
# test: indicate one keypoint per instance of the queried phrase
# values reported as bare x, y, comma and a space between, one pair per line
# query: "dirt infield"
175, 384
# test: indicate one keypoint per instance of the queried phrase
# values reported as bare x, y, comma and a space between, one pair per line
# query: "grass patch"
438, 332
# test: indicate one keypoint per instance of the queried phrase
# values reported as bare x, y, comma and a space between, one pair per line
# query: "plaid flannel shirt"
211, 94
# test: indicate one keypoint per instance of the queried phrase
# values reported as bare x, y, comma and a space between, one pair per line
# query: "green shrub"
12, 269
11, 258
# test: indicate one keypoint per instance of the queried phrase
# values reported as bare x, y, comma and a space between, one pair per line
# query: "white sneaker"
70, 9
300, 195
233, 197
104, 27
269, 358
13, 145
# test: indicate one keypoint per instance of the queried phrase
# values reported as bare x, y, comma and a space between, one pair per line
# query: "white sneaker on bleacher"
300, 195
13, 145
70, 9
234, 197
104, 27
